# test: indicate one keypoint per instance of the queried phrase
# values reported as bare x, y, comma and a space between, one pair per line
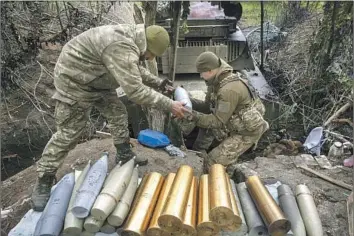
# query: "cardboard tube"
154, 228
270, 211
171, 217
143, 205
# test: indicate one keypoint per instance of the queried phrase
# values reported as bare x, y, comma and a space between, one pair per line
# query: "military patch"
223, 106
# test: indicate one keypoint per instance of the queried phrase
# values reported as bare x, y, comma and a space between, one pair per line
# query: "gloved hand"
166, 87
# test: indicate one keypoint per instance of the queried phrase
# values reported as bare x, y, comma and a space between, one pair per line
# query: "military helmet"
157, 39
207, 61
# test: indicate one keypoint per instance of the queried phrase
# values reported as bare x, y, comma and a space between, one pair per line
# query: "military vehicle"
215, 31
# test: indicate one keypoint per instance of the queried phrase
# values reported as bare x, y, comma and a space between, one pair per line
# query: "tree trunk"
156, 118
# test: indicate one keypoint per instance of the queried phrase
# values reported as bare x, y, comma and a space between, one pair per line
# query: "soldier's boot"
125, 153
41, 191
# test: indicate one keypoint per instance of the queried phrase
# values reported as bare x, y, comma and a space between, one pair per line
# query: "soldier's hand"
178, 109
166, 87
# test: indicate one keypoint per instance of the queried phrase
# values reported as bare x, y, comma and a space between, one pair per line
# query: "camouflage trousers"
70, 123
231, 148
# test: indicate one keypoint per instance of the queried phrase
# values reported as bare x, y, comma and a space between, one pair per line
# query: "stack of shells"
182, 204
87, 202
90, 202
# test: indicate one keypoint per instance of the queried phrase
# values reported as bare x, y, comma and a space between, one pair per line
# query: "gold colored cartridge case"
236, 220
190, 214
269, 210
205, 226
220, 204
171, 217
143, 205
154, 228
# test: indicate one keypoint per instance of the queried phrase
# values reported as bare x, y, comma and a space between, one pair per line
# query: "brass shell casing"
190, 214
143, 205
220, 204
236, 220
205, 226
171, 217
269, 210
154, 228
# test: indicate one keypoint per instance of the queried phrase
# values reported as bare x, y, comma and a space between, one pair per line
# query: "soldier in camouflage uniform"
90, 68
231, 113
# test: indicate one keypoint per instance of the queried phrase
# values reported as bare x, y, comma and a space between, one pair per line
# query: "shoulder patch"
223, 106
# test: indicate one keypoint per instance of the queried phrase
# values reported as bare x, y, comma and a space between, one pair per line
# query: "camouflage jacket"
228, 97
102, 59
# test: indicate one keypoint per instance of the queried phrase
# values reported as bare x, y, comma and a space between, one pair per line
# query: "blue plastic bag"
153, 139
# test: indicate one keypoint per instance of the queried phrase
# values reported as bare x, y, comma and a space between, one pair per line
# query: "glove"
166, 87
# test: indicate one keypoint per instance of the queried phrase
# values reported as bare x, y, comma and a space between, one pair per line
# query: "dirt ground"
16, 190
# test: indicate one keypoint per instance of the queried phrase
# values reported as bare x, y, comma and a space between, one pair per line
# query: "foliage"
312, 69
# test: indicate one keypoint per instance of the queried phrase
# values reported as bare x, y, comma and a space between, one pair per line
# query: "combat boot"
125, 153
41, 191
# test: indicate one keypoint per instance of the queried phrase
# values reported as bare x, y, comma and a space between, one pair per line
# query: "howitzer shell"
253, 219
289, 206
73, 225
268, 208
93, 225
90, 187
205, 226
107, 228
308, 211
220, 203
244, 228
113, 190
86, 233
122, 209
236, 220
154, 228
190, 214
181, 95
143, 205
52, 219
171, 217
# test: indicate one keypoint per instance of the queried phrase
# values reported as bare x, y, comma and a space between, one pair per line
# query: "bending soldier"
231, 113
90, 68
